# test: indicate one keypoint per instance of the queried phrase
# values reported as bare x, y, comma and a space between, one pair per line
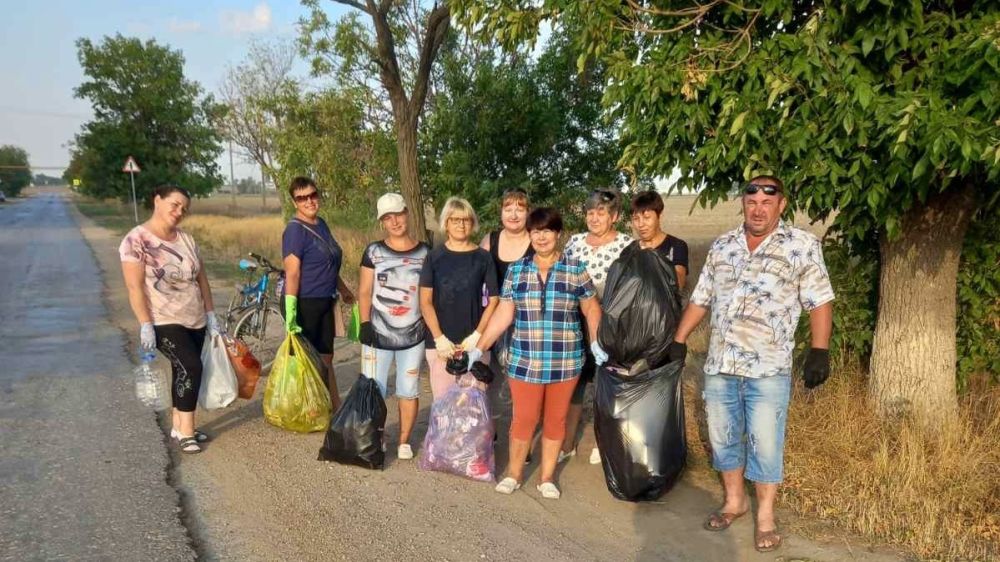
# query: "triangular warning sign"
131, 166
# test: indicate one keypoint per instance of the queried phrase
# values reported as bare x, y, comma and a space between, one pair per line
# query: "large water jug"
151, 386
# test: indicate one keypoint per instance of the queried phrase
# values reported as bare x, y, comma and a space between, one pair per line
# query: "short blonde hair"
457, 205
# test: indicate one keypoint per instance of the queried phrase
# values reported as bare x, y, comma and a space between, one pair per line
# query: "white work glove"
470, 341
212, 323
475, 354
147, 337
600, 357
445, 348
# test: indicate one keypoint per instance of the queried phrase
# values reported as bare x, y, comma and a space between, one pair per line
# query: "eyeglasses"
752, 188
459, 220
313, 196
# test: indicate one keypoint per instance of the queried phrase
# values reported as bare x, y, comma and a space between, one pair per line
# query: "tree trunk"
409, 175
913, 353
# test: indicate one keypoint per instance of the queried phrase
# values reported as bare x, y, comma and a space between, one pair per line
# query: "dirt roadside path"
257, 493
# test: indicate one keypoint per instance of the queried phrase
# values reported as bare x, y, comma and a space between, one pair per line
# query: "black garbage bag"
641, 307
354, 435
639, 422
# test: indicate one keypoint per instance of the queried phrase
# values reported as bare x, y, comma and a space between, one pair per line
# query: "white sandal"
549, 491
507, 486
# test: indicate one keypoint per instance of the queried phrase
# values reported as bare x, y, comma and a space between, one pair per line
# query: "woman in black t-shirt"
458, 292
647, 207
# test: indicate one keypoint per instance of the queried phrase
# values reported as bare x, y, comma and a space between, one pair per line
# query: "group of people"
526, 306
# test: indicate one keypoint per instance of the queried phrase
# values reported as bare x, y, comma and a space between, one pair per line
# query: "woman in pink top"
170, 297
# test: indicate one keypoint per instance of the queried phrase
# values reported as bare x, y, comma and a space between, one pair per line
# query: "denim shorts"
746, 424
375, 364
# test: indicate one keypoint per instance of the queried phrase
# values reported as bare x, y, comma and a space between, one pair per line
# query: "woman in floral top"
596, 249
170, 297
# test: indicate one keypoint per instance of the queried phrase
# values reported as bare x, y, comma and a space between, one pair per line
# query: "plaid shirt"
547, 345
756, 298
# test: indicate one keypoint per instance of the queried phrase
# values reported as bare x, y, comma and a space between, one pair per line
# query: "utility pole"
232, 177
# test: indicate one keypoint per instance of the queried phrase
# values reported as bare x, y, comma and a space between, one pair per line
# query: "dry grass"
230, 238
242, 206
939, 496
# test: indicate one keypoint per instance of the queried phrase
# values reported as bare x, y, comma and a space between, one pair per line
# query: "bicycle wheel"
263, 330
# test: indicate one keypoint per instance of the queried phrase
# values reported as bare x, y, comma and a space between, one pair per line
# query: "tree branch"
353, 4
437, 27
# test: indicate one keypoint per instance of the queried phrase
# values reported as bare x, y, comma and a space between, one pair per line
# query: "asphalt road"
83, 468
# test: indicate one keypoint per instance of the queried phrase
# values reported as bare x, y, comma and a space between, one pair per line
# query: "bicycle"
253, 315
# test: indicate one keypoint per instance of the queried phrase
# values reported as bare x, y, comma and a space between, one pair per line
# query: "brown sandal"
771, 536
720, 521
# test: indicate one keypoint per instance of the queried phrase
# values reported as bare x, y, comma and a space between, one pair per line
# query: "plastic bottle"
150, 383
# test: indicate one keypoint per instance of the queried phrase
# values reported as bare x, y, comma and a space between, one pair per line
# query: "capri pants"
549, 401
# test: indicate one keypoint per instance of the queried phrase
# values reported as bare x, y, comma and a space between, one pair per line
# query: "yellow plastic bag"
295, 397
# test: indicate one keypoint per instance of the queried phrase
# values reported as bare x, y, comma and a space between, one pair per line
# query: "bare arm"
293, 274
366, 283
693, 316
345, 291
821, 325
206, 289
135, 274
591, 309
499, 322
427, 311
682, 275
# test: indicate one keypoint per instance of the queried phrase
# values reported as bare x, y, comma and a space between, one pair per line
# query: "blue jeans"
746, 424
375, 364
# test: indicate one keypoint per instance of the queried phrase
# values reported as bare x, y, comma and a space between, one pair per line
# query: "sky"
40, 69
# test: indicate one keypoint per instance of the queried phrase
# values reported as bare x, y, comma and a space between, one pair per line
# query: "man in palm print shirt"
757, 279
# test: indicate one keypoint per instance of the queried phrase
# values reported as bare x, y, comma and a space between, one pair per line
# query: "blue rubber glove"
600, 357
475, 354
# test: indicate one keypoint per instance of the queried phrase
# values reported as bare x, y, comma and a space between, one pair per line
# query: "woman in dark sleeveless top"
506, 246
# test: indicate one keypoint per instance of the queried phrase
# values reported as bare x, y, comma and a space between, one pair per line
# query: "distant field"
240, 206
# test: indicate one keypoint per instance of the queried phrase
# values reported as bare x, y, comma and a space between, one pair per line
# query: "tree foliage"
885, 112
324, 135
498, 122
248, 91
15, 173
143, 107
396, 43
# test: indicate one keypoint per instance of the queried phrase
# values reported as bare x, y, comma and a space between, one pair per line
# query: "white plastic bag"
219, 386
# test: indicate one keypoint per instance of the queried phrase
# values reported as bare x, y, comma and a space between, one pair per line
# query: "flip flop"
720, 520
771, 536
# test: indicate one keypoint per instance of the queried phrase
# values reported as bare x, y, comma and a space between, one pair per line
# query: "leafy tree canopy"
143, 107
14, 179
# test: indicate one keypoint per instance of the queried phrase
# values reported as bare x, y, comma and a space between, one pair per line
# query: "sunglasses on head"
604, 195
312, 196
752, 188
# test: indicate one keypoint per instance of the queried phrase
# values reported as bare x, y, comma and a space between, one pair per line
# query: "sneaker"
595, 456
564, 456
404, 452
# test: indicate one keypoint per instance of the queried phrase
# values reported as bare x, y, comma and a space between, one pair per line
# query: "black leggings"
182, 347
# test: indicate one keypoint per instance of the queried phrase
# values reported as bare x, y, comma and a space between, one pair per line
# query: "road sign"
130, 166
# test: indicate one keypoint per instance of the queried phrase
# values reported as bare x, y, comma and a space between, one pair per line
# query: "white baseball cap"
390, 203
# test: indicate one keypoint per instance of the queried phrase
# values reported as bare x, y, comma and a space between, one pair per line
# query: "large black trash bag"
641, 307
639, 422
355, 432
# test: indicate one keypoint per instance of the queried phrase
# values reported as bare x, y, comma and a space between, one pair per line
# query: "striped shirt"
547, 345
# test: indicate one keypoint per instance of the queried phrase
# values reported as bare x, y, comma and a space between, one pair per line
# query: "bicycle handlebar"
263, 261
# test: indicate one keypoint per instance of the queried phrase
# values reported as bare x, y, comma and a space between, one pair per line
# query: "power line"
43, 113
